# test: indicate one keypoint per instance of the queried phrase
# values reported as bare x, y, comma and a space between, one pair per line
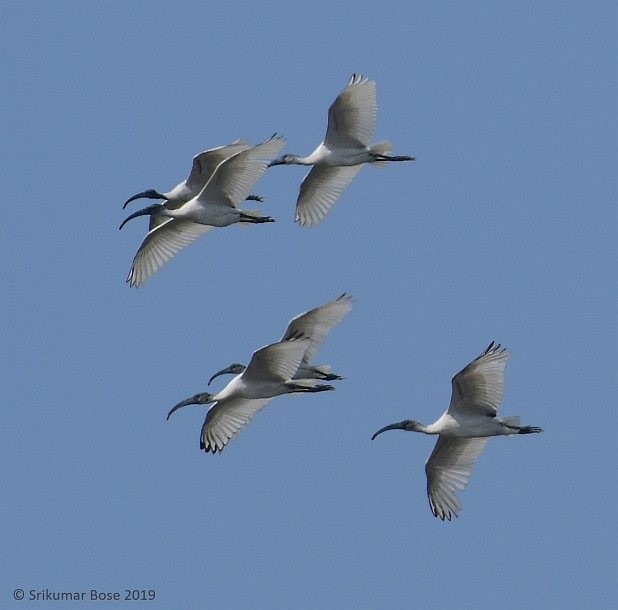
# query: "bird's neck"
174, 209
308, 160
428, 429
418, 427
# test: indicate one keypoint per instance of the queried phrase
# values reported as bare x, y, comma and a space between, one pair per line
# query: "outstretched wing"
160, 245
448, 470
206, 162
316, 323
276, 362
234, 178
477, 388
319, 190
225, 419
352, 116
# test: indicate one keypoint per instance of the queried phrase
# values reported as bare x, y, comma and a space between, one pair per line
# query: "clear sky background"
504, 228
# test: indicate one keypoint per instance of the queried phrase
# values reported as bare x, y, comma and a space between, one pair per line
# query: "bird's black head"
409, 425
148, 194
151, 209
285, 160
201, 398
236, 369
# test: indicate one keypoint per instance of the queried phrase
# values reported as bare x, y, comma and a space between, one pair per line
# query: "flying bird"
464, 428
204, 165
269, 373
347, 145
314, 325
175, 225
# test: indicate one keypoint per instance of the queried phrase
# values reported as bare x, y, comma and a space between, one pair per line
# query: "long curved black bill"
226, 371
397, 426
145, 212
181, 404
149, 194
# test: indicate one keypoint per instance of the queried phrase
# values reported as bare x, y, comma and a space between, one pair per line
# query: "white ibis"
314, 325
174, 226
464, 428
204, 165
268, 374
347, 145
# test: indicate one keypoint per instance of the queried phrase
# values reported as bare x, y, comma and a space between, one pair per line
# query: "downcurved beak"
276, 162
225, 371
149, 194
151, 209
397, 426
181, 404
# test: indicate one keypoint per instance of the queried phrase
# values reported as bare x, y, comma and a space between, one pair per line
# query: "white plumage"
269, 373
313, 325
175, 225
346, 146
202, 168
463, 429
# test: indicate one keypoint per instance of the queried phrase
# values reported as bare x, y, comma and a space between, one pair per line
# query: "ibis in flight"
204, 165
464, 429
347, 145
269, 373
175, 225
314, 325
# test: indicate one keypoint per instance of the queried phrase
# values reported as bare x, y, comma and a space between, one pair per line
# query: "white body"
203, 167
268, 374
464, 428
178, 224
346, 147
312, 325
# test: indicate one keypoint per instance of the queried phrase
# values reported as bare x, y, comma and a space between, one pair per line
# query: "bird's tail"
514, 427
252, 216
380, 148
512, 423
325, 372
307, 385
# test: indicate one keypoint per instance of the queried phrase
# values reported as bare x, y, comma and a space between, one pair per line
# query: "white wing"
227, 418
316, 323
477, 389
319, 190
161, 244
234, 178
276, 362
206, 162
448, 470
352, 116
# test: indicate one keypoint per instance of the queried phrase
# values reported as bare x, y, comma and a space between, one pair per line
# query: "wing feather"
227, 418
316, 323
448, 470
234, 178
160, 245
477, 388
352, 116
319, 190
206, 162
277, 361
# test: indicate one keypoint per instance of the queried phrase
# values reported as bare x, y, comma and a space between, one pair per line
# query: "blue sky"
504, 228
